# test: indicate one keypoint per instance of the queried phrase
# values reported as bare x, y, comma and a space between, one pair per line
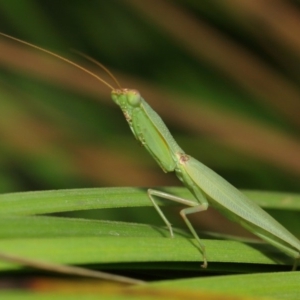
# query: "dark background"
224, 75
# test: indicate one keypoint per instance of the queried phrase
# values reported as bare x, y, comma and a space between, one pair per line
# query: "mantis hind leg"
194, 207
191, 210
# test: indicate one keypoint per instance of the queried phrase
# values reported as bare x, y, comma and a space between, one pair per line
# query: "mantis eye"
134, 98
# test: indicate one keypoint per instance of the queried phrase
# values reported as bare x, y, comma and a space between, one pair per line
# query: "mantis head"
126, 97
127, 100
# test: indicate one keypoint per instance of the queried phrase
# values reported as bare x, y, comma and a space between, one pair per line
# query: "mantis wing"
237, 207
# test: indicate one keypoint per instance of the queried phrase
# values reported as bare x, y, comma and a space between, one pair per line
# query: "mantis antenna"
99, 65
70, 62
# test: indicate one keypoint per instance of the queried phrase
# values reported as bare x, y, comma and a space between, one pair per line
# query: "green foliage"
40, 226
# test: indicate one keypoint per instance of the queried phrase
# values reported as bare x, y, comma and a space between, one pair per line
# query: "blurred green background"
224, 75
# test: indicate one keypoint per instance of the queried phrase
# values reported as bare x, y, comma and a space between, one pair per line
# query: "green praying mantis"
207, 187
